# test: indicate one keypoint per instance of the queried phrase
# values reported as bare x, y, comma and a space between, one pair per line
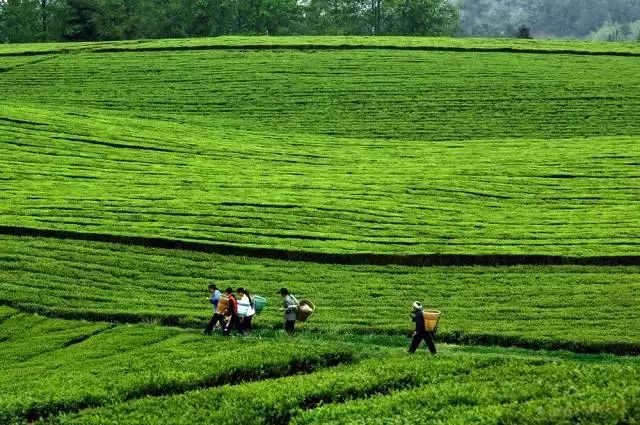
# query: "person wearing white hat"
421, 332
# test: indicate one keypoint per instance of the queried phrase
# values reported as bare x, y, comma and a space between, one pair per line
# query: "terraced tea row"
319, 148
410, 95
52, 365
255, 42
341, 42
147, 374
113, 175
454, 388
591, 309
517, 392
347, 42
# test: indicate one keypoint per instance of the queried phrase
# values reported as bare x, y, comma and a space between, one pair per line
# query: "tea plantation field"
62, 371
581, 308
115, 175
495, 180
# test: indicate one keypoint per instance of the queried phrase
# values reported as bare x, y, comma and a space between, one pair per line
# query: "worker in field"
246, 309
218, 317
290, 305
232, 313
421, 333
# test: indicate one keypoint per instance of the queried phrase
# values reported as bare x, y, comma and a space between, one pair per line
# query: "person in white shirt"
246, 309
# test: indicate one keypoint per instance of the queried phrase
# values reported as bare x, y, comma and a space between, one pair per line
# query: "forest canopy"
41, 20
88, 20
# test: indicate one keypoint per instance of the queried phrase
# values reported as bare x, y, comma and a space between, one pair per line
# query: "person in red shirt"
232, 312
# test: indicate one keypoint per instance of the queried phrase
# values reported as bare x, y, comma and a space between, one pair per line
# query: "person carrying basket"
232, 312
290, 304
421, 333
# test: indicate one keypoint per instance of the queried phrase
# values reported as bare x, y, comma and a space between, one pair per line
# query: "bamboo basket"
305, 309
223, 303
431, 319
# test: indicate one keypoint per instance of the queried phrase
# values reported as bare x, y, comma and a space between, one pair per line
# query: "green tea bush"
59, 372
584, 309
450, 388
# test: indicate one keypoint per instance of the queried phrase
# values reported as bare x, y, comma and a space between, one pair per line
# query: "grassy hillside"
115, 175
410, 95
454, 388
389, 42
59, 365
347, 150
76, 372
360, 150
590, 309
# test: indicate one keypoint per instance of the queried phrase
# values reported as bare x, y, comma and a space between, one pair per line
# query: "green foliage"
392, 388
511, 393
208, 185
328, 152
32, 20
6, 312
147, 374
383, 94
20, 20
311, 43
528, 306
81, 23
423, 17
25, 337
152, 147
56, 365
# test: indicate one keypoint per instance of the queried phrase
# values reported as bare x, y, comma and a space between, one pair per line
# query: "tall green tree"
375, 12
278, 17
19, 21
337, 17
81, 20
110, 19
33, 20
213, 17
424, 17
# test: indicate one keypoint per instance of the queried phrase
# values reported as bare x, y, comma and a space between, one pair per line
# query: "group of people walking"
231, 312
236, 311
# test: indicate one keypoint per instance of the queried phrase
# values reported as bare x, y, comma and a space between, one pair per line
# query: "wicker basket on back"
305, 310
223, 303
431, 319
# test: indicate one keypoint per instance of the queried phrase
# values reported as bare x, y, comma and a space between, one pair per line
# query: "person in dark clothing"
232, 312
421, 332
217, 317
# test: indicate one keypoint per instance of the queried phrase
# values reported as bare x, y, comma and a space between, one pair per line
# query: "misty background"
605, 20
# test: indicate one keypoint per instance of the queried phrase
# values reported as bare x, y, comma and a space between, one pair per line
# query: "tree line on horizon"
94, 20
90, 20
